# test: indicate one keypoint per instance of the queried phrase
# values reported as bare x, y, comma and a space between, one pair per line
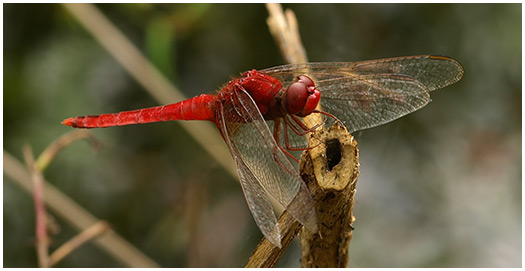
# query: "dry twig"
285, 31
266, 254
49, 154
39, 186
40, 209
85, 236
72, 213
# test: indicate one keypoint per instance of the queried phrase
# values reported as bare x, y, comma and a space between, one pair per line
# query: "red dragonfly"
253, 110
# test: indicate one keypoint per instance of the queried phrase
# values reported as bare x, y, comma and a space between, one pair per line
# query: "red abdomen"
197, 108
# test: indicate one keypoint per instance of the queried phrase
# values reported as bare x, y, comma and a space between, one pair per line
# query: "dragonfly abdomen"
201, 107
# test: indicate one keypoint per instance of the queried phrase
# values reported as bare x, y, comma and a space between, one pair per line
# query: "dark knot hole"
333, 153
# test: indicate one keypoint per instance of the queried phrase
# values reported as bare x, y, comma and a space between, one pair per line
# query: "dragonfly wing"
253, 144
370, 100
370, 93
433, 72
258, 202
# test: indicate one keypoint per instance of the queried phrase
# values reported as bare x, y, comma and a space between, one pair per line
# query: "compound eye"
306, 80
296, 96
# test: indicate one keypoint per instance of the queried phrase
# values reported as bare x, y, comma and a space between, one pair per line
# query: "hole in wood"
333, 153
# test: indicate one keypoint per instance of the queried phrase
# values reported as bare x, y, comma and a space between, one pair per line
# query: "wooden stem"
266, 254
330, 171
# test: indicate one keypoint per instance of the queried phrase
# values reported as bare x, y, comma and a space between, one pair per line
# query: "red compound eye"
306, 80
302, 97
296, 96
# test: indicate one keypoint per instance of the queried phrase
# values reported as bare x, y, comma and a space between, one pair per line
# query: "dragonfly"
260, 116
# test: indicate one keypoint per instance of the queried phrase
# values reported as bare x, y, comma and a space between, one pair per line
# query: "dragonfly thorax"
299, 98
263, 89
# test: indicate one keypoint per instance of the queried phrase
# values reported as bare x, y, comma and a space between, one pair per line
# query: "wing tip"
459, 66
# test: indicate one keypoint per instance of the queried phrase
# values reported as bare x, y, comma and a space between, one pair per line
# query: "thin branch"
40, 209
267, 254
49, 154
77, 241
285, 31
149, 77
76, 216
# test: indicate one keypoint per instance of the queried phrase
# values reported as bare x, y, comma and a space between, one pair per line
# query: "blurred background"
438, 188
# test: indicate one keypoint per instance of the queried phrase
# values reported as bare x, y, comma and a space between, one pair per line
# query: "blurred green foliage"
438, 188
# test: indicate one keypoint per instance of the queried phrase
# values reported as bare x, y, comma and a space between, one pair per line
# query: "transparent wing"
252, 144
258, 202
370, 93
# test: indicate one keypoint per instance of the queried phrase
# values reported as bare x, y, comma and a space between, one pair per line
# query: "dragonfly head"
301, 97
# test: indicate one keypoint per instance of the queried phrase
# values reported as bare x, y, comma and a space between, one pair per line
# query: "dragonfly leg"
301, 130
329, 115
276, 132
288, 123
276, 159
